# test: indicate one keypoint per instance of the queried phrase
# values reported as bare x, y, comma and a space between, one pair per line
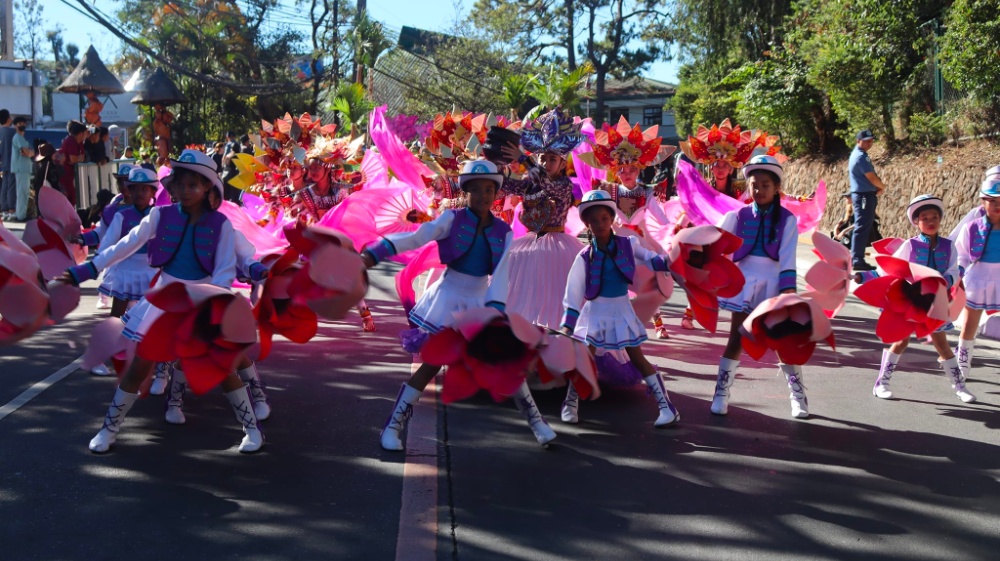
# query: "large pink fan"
425, 259
705, 206
262, 239
585, 176
374, 171
371, 214
403, 164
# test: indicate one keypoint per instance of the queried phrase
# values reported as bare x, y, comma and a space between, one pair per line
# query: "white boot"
174, 413
253, 439
161, 377
571, 406
526, 405
402, 410
121, 403
668, 413
954, 373
800, 404
100, 370
964, 354
888, 368
727, 372
251, 378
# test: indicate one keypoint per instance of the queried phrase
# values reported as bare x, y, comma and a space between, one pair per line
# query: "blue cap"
865, 135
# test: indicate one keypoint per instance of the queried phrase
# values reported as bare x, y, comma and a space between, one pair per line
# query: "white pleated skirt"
132, 277
982, 286
452, 293
138, 319
539, 268
610, 323
761, 274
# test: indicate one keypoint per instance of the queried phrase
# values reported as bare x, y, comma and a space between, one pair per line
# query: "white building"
21, 89
639, 100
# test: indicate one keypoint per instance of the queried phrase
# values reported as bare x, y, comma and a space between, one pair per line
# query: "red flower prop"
788, 324
276, 311
207, 327
912, 297
698, 259
334, 279
828, 281
621, 145
562, 356
23, 299
483, 350
26, 302
887, 246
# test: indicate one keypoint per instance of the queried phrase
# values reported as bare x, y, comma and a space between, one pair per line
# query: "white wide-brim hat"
920, 202
141, 176
763, 163
480, 169
597, 197
990, 189
124, 169
993, 173
198, 162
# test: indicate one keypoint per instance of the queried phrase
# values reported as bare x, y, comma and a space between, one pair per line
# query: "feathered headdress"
552, 132
728, 143
624, 145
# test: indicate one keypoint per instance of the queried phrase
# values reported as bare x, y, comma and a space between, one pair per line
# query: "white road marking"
39, 387
418, 517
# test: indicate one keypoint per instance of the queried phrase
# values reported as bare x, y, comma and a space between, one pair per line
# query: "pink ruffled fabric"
705, 206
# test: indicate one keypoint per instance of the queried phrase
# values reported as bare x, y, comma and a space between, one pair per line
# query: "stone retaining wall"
956, 180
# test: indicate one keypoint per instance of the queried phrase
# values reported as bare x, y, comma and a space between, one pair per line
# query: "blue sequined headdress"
551, 132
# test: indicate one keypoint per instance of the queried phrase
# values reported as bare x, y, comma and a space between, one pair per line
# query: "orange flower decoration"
277, 311
622, 145
728, 143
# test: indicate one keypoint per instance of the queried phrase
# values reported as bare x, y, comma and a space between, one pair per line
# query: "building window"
615, 114
652, 116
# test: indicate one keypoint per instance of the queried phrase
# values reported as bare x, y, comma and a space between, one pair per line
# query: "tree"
559, 88
55, 39
607, 44
368, 41
543, 30
867, 55
353, 105
71, 51
969, 55
517, 92
29, 22
776, 95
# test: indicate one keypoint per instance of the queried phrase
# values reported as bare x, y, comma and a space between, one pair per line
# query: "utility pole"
362, 12
336, 54
7, 29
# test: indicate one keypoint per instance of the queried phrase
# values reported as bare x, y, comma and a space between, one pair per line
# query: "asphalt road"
912, 478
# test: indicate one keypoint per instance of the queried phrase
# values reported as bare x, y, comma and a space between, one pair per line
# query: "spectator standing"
46, 171
21, 154
95, 147
8, 193
866, 186
217, 151
232, 148
71, 152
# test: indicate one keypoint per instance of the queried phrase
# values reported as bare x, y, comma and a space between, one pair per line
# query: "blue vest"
623, 258
462, 234
748, 223
131, 217
170, 231
108, 214
979, 231
920, 253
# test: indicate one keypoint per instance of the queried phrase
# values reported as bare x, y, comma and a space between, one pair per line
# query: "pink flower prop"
23, 299
207, 327
486, 350
334, 279
828, 281
565, 357
912, 297
887, 246
788, 324
698, 258
26, 302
